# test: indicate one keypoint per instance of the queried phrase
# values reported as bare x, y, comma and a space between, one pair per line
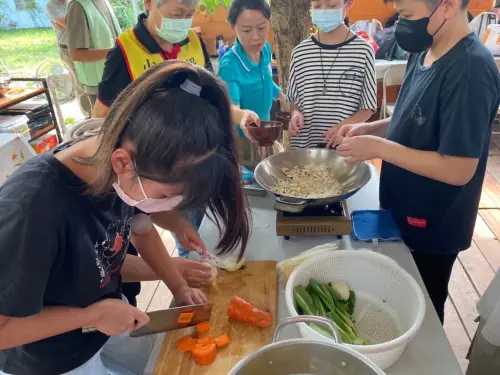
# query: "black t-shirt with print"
447, 108
58, 247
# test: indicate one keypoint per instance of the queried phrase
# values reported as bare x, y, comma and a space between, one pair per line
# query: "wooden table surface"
256, 283
12, 98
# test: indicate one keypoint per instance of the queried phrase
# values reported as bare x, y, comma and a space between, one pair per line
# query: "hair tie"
190, 87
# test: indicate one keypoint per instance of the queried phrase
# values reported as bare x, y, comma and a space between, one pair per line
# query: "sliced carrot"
185, 318
244, 311
222, 341
203, 327
198, 346
187, 346
183, 339
204, 355
206, 340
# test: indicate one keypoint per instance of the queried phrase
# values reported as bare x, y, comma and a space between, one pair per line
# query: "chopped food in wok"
309, 181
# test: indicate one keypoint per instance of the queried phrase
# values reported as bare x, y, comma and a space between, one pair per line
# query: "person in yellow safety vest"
92, 29
163, 33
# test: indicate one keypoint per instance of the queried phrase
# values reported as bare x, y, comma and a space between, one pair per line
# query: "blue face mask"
174, 30
327, 19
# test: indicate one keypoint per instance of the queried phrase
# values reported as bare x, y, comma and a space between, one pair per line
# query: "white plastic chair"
82, 128
393, 77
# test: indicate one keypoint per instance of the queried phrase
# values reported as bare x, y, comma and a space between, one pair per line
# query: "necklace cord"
334, 60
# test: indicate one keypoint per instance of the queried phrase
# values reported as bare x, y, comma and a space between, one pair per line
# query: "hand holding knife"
114, 317
169, 319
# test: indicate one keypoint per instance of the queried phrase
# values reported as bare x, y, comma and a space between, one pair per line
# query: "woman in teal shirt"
246, 68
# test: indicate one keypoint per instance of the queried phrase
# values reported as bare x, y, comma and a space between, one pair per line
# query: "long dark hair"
239, 6
180, 137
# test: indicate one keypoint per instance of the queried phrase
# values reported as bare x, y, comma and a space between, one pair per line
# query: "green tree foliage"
124, 12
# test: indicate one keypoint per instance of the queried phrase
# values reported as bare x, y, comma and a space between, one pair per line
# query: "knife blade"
168, 320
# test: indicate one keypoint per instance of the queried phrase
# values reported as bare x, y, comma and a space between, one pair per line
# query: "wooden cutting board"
257, 283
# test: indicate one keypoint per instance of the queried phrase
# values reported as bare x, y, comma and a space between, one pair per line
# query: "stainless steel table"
429, 353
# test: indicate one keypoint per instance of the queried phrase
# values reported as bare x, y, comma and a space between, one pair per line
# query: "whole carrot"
244, 311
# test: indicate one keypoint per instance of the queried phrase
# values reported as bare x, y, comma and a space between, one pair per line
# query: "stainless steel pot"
305, 357
352, 177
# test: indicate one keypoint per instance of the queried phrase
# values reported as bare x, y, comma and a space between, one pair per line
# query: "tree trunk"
291, 22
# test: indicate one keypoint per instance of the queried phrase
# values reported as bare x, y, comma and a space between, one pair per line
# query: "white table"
382, 66
14, 151
428, 353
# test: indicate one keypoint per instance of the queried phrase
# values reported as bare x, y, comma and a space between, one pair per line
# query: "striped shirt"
351, 85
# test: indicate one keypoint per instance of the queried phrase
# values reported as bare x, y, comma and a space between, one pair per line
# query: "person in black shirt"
435, 146
67, 218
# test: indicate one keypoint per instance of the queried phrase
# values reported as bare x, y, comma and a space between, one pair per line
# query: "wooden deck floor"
471, 274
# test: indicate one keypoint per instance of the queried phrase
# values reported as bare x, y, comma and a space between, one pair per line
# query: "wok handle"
290, 204
308, 319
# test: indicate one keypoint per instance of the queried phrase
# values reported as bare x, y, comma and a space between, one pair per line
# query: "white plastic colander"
390, 305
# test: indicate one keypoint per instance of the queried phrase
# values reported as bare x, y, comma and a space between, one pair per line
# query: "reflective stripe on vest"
139, 59
101, 37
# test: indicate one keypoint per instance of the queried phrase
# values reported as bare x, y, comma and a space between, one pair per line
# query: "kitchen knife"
168, 320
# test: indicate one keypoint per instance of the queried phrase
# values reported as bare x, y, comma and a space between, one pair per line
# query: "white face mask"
174, 30
327, 19
148, 205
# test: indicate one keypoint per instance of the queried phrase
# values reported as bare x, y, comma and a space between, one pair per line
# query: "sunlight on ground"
22, 50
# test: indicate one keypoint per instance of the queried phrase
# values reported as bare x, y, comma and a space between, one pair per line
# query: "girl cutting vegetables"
64, 271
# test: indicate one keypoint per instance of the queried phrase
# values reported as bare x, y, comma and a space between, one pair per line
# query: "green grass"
22, 50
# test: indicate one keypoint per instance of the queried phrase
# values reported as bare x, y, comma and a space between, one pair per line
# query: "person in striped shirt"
332, 78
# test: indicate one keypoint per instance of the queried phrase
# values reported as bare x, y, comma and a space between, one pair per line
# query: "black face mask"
412, 35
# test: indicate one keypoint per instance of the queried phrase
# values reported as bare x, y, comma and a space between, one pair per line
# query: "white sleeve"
369, 93
292, 94
489, 310
54, 12
491, 330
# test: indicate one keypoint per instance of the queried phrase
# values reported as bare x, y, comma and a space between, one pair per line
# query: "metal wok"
351, 177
